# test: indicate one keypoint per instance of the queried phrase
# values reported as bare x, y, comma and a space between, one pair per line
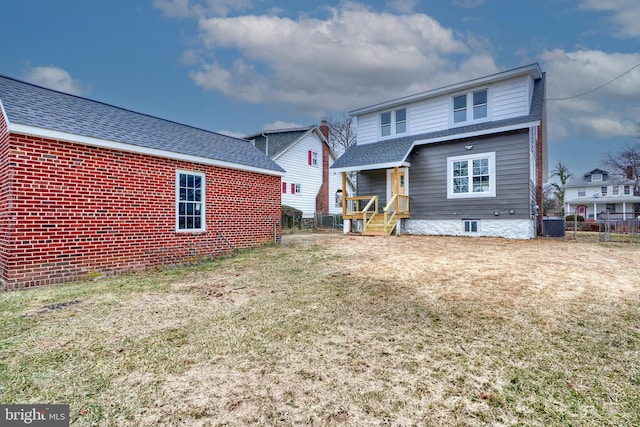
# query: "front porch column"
595, 211
396, 186
624, 211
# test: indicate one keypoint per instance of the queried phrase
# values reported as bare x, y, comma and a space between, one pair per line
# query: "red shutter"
310, 157
293, 188
284, 187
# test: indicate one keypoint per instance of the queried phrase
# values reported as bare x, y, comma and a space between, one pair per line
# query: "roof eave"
137, 149
375, 166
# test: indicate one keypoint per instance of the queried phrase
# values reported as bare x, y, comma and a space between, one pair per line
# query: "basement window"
190, 188
470, 226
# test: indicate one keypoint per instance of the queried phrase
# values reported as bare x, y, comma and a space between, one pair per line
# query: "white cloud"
625, 15
352, 58
54, 78
402, 6
186, 8
467, 4
610, 111
233, 134
279, 124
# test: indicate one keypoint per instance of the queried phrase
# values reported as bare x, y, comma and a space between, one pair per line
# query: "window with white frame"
471, 176
627, 190
615, 190
190, 197
596, 177
338, 198
470, 226
603, 190
582, 192
393, 122
312, 158
471, 106
298, 188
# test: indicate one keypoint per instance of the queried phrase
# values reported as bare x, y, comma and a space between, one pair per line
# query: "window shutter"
310, 156
284, 187
293, 188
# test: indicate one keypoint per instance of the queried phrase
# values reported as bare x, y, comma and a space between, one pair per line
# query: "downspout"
266, 144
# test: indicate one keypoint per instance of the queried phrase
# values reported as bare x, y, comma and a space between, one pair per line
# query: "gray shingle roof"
279, 140
35, 106
395, 151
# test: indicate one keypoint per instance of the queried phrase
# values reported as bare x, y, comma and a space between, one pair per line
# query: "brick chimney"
324, 129
322, 198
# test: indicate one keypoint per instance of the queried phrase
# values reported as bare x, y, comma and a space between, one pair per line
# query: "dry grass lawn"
348, 331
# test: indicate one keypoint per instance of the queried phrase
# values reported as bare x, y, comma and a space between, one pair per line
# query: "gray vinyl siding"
428, 179
372, 183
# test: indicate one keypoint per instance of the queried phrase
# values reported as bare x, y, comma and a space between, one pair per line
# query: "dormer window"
596, 177
470, 106
393, 122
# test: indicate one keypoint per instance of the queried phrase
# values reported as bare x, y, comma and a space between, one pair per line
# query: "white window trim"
469, 157
203, 226
393, 132
314, 158
469, 109
465, 221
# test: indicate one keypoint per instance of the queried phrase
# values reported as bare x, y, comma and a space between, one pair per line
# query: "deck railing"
354, 209
398, 204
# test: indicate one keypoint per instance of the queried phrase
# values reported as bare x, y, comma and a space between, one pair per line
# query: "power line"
597, 88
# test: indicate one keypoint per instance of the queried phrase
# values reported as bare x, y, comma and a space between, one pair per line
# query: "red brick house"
89, 189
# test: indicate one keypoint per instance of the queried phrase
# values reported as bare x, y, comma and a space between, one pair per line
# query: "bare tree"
626, 162
549, 202
561, 171
342, 133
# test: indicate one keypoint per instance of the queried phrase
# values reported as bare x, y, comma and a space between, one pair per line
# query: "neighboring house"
304, 153
466, 159
90, 189
597, 192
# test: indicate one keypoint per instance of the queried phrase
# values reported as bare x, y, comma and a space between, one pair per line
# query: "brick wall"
5, 189
79, 210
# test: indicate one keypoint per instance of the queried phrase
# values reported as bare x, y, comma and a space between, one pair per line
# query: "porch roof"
604, 200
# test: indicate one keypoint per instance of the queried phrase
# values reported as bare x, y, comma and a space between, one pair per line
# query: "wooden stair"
376, 227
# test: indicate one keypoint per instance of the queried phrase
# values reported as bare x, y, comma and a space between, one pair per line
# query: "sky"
242, 66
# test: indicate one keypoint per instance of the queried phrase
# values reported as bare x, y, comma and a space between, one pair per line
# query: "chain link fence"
605, 229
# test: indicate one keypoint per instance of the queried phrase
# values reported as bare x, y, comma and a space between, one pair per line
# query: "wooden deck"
376, 222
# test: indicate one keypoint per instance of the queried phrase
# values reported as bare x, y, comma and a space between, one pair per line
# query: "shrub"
570, 218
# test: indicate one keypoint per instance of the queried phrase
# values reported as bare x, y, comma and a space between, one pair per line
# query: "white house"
598, 192
304, 153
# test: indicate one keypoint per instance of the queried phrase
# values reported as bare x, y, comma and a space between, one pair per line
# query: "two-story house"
598, 192
465, 159
304, 153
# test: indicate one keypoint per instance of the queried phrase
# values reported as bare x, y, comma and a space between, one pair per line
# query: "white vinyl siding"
335, 184
510, 99
308, 178
429, 116
368, 128
506, 99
